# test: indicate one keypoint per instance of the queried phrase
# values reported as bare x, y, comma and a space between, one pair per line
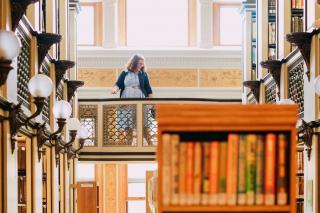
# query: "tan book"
260, 170
242, 170
251, 168
174, 169
190, 173
205, 173
232, 169
197, 173
166, 158
214, 173
182, 173
222, 198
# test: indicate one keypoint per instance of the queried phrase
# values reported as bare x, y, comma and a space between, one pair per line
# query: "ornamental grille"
295, 84
59, 93
119, 125
88, 119
24, 70
270, 92
251, 98
46, 108
150, 125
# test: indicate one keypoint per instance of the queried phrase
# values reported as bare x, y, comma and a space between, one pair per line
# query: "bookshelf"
272, 29
253, 46
297, 17
203, 123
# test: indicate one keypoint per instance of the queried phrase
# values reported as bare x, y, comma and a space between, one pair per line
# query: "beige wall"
168, 77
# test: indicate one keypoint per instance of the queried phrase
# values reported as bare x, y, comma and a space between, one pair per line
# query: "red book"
270, 162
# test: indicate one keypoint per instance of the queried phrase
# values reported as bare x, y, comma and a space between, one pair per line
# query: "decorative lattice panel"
119, 125
251, 98
88, 119
46, 109
59, 93
271, 92
24, 70
295, 85
150, 125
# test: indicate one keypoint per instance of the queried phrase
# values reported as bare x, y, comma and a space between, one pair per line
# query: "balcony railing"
126, 126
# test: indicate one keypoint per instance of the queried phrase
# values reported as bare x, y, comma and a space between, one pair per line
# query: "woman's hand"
114, 90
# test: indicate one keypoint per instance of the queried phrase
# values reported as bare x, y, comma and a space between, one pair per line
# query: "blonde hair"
133, 62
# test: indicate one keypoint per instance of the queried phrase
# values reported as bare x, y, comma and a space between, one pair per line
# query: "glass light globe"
40, 86
83, 133
286, 101
317, 85
9, 45
62, 109
73, 124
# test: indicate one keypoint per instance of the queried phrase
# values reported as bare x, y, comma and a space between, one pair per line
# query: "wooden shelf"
226, 208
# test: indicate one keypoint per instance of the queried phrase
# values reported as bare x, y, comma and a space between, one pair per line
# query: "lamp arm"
39, 102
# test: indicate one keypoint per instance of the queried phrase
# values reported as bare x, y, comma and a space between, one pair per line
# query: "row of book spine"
297, 4
247, 169
272, 33
297, 24
272, 4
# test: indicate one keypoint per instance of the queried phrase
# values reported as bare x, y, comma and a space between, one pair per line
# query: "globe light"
62, 109
317, 85
40, 86
9, 45
74, 124
83, 133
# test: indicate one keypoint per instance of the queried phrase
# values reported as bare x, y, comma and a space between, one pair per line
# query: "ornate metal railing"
124, 125
251, 99
296, 83
46, 109
24, 66
270, 89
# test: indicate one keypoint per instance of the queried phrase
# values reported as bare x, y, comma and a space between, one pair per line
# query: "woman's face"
140, 64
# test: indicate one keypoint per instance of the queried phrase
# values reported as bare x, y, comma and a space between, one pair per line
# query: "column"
110, 23
205, 24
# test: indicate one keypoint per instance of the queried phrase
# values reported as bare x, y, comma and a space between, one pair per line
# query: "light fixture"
40, 87
305, 133
9, 49
45, 41
18, 9
61, 111
303, 42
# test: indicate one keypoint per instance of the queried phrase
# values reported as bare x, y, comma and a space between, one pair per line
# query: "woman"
133, 82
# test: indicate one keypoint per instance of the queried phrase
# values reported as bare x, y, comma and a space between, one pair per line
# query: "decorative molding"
254, 86
168, 92
220, 58
274, 67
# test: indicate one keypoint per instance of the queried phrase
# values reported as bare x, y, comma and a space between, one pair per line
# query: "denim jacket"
143, 81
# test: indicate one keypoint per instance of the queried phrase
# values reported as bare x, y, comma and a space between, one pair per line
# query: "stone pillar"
110, 23
205, 24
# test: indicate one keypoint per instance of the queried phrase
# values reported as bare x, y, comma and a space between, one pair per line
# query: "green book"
242, 170
251, 168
